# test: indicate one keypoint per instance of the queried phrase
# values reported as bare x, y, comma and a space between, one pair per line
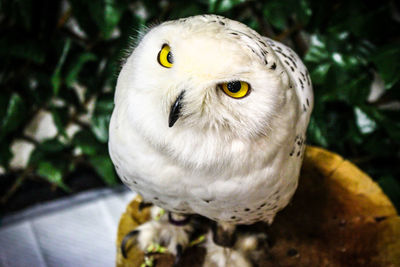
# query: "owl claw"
253, 246
143, 205
181, 222
158, 235
178, 257
125, 241
246, 246
221, 256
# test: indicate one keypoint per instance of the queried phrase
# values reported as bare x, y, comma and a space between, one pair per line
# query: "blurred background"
60, 60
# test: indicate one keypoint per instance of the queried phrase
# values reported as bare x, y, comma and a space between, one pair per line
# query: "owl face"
202, 76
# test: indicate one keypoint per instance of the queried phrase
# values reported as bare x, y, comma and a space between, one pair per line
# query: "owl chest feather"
240, 182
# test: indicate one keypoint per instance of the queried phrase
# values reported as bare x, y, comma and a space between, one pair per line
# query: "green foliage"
50, 49
13, 116
52, 173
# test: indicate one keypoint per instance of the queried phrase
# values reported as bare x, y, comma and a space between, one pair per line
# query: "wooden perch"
338, 217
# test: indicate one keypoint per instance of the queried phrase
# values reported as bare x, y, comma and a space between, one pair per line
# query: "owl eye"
236, 89
165, 56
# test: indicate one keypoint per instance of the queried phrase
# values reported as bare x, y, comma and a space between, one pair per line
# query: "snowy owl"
210, 119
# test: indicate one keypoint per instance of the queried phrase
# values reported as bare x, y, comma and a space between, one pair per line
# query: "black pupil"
169, 58
234, 87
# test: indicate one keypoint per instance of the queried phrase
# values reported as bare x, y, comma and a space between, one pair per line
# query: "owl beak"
175, 110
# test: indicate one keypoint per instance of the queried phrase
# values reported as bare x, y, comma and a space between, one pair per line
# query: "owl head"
204, 78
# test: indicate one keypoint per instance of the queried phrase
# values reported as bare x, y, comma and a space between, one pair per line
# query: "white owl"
210, 119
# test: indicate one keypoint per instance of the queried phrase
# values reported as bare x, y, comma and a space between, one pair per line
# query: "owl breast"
228, 193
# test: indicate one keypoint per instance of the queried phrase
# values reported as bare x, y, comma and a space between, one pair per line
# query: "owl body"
231, 160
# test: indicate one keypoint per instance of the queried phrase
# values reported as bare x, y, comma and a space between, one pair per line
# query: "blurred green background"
60, 60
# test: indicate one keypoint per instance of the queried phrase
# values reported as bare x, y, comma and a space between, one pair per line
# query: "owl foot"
254, 246
162, 233
219, 256
246, 249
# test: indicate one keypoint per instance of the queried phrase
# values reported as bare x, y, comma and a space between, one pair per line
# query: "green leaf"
52, 173
366, 21
60, 117
319, 73
50, 150
37, 156
100, 127
85, 141
221, 6
77, 66
353, 89
101, 116
14, 115
279, 14
212, 5
104, 167
386, 119
315, 134
56, 77
276, 14
387, 60
186, 9
5, 154
80, 12
391, 186
52, 145
303, 11
317, 51
106, 14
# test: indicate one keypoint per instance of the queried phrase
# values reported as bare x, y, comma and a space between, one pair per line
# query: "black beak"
175, 110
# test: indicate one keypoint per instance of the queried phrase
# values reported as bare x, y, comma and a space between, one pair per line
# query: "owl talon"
143, 205
220, 256
125, 240
254, 246
178, 222
178, 257
159, 232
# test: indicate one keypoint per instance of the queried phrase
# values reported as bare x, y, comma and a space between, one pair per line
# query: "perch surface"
338, 217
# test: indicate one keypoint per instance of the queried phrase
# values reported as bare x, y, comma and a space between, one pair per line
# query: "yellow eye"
236, 89
165, 56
